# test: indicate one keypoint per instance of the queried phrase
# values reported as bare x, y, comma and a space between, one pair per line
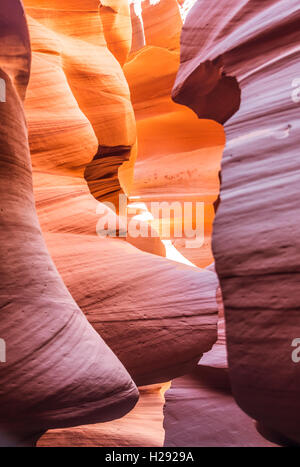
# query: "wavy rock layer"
143, 426
82, 124
157, 318
113, 282
77, 54
253, 46
59, 372
200, 410
155, 23
178, 154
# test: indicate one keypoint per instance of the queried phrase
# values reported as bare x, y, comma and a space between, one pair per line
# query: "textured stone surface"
99, 105
58, 370
178, 154
143, 426
78, 55
133, 297
155, 23
201, 411
255, 45
158, 318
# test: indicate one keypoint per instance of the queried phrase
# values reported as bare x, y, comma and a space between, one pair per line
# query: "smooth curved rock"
15, 57
116, 21
162, 23
58, 371
82, 57
115, 283
152, 294
178, 155
81, 122
181, 168
255, 241
155, 23
143, 426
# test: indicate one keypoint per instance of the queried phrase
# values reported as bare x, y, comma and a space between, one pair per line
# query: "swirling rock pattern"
253, 47
58, 371
98, 101
179, 168
143, 426
68, 126
168, 302
155, 23
112, 282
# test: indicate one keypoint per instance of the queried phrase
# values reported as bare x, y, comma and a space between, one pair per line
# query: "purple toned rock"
56, 371
256, 237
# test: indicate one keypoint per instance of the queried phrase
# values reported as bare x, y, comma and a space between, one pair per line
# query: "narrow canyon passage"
188, 168
149, 256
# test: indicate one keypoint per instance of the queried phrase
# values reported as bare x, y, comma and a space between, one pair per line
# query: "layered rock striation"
239, 66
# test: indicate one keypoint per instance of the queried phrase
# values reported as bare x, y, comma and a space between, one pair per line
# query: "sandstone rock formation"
250, 49
201, 411
158, 318
78, 55
58, 371
85, 323
131, 298
68, 126
143, 426
178, 154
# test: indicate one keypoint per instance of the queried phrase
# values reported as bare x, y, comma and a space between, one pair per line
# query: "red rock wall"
58, 372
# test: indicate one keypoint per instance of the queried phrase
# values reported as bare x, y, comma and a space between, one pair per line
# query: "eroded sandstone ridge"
178, 154
58, 371
240, 59
130, 297
157, 316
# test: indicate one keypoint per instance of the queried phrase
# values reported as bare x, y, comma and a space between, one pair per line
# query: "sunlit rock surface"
58, 371
158, 318
82, 123
76, 54
102, 122
250, 49
178, 154
143, 426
